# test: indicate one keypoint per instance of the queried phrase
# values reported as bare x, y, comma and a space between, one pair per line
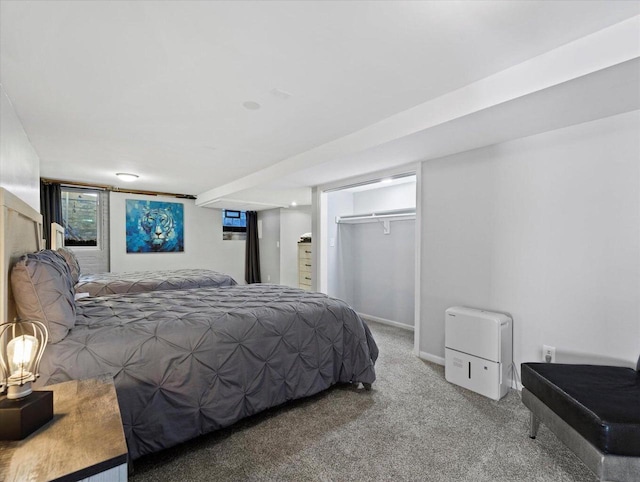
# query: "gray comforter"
191, 361
142, 281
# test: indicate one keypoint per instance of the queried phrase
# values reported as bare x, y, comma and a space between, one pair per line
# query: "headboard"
20, 232
57, 236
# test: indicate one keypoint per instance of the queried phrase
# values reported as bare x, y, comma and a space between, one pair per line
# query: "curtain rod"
106, 187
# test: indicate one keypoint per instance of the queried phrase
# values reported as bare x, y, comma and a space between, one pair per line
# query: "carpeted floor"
413, 425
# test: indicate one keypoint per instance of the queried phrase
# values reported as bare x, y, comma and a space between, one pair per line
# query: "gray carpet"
413, 425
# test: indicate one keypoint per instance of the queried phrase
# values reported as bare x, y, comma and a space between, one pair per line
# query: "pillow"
74, 267
43, 291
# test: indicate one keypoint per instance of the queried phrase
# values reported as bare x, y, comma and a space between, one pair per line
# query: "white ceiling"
156, 88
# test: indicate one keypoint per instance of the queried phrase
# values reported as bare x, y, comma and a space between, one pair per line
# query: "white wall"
203, 244
269, 244
546, 228
19, 162
401, 196
293, 223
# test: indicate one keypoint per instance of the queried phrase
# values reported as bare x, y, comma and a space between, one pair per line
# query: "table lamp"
22, 411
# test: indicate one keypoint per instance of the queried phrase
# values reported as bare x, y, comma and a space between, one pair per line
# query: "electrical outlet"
548, 354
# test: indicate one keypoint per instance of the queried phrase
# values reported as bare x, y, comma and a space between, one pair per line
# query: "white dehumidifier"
479, 350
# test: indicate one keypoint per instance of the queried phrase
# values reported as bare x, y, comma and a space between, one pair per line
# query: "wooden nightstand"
84, 441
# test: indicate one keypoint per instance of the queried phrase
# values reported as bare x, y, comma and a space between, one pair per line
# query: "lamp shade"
20, 356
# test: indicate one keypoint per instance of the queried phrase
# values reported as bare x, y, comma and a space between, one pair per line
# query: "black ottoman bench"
593, 409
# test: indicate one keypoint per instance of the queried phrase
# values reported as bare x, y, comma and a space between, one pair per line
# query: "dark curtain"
50, 207
252, 258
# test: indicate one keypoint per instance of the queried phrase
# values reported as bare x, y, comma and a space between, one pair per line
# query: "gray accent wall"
269, 245
293, 223
281, 230
372, 271
380, 269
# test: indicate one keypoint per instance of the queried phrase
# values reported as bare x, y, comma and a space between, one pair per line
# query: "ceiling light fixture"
293, 204
126, 177
251, 105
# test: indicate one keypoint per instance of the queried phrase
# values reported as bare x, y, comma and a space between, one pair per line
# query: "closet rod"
373, 217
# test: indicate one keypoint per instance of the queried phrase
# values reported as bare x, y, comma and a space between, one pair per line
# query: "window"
81, 216
234, 224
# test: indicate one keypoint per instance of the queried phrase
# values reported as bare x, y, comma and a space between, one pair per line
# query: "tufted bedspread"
142, 281
191, 361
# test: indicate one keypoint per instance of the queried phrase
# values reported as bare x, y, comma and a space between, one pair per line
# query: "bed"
187, 362
141, 281
101, 284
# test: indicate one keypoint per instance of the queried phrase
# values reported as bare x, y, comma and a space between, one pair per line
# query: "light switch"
332, 242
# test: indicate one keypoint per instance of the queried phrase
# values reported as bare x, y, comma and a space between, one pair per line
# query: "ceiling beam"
592, 53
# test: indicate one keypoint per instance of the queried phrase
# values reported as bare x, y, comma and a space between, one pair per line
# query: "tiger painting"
154, 227
158, 224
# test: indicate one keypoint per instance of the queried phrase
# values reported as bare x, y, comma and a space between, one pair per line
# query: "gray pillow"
74, 267
43, 290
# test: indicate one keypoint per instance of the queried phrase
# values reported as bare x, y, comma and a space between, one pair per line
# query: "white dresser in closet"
304, 266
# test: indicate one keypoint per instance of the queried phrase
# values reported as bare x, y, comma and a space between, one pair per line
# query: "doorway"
370, 256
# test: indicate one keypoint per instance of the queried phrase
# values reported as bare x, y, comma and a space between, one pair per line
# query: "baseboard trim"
385, 321
431, 358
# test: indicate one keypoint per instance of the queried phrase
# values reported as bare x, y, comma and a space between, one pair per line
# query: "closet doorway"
370, 239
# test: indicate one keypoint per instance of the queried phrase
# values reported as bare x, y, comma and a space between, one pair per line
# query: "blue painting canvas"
154, 227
